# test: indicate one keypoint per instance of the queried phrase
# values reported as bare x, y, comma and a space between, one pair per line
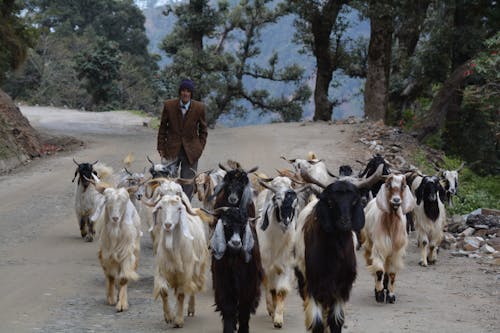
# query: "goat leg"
83, 226
391, 297
122, 296
110, 290
167, 314
279, 309
243, 319
423, 244
379, 288
191, 306
336, 318
179, 317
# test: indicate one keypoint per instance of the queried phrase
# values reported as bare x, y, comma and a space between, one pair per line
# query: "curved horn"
286, 159
311, 180
255, 168
461, 167
150, 160
223, 167
130, 173
99, 187
76, 162
369, 182
266, 185
95, 162
331, 174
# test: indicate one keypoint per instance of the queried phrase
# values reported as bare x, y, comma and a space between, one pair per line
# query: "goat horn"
461, 166
368, 182
286, 159
255, 168
266, 185
150, 160
95, 162
76, 162
305, 175
130, 173
223, 167
331, 174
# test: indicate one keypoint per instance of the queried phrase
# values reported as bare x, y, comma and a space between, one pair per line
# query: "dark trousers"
188, 171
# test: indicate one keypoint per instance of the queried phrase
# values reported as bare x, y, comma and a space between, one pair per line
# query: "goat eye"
355, 202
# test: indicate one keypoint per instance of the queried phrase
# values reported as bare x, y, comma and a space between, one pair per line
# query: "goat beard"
169, 239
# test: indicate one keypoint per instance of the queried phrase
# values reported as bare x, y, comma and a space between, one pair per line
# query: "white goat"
119, 237
384, 234
182, 255
278, 211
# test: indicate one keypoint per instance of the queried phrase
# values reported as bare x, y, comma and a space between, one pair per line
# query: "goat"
385, 236
236, 268
119, 241
129, 179
278, 210
345, 170
372, 165
325, 258
235, 190
159, 187
169, 169
449, 181
181, 255
86, 197
430, 218
205, 184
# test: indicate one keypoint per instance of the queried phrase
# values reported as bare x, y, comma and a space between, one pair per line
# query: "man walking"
183, 132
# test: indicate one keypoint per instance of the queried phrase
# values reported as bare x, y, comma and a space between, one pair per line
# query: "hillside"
19, 141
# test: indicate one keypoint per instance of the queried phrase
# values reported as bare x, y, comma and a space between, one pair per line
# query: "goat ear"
408, 200
442, 193
246, 197
358, 216
217, 189
419, 193
265, 220
76, 173
101, 201
185, 225
248, 243
218, 241
381, 199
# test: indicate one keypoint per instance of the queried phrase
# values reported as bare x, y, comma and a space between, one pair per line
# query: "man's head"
186, 90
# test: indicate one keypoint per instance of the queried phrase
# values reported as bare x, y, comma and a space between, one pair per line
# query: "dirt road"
51, 281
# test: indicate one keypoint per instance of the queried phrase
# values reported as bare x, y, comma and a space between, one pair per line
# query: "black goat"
368, 193
345, 170
235, 190
325, 254
236, 268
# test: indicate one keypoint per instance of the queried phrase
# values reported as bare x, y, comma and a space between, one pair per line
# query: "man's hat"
187, 84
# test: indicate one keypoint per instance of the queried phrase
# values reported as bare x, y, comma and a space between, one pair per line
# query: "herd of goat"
301, 227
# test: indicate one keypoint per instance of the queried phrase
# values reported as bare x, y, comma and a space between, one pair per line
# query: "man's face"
185, 95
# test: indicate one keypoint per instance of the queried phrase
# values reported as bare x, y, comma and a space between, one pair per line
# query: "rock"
481, 226
487, 249
467, 232
447, 241
460, 253
471, 244
494, 243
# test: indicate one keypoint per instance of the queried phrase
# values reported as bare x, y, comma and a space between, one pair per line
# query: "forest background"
431, 67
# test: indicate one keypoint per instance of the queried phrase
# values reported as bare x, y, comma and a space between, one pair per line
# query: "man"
183, 132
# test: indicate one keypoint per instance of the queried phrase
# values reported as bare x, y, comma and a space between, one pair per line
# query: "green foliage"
476, 192
100, 66
16, 36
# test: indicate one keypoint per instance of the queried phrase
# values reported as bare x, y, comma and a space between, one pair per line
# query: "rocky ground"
51, 281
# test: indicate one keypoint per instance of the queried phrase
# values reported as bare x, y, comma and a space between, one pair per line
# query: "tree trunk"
379, 62
322, 24
434, 120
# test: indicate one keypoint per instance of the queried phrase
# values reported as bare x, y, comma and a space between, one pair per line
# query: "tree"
221, 71
15, 37
317, 25
100, 67
379, 59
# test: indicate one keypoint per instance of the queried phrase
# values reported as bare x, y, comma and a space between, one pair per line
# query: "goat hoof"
431, 261
190, 313
121, 307
179, 324
421, 263
89, 238
380, 296
278, 325
390, 299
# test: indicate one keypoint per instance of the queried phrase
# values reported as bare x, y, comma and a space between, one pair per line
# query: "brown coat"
190, 132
